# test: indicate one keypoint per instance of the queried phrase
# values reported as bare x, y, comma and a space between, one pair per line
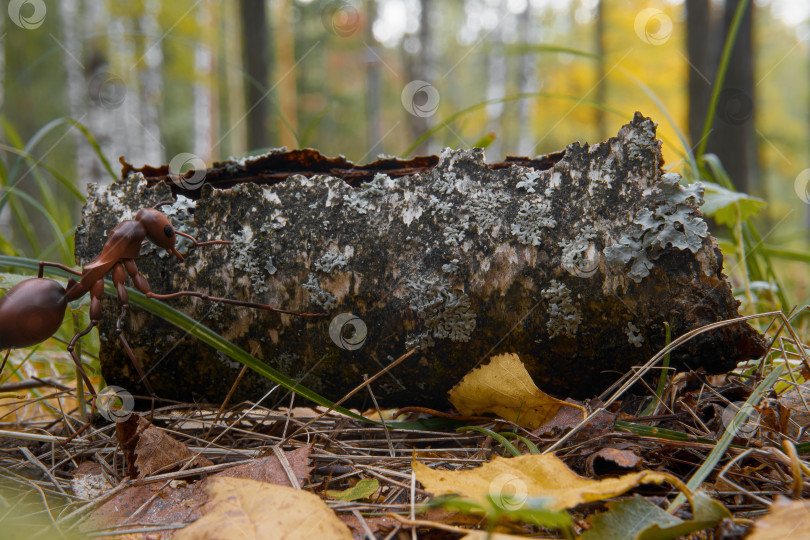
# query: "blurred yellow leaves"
510, 482
239, 508
786, 519
505, 388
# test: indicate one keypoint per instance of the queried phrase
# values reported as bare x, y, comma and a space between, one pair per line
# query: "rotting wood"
573, 260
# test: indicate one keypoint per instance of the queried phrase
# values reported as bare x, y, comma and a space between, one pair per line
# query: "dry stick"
722, 476
40, 438
34, 382
795, 467
225, 402
654, 360
359, 387
362, 521
382, 420
39, 465
285, 464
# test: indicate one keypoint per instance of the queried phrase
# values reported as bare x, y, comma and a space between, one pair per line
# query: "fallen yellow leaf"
239, 508
484, 535
509, 482
505, 388
785, 519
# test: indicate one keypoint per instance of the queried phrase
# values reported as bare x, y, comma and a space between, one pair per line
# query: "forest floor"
599, 469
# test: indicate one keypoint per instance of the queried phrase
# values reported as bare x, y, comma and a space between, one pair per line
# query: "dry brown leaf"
172, 505
530, 475
379, 525
270, 470
505, 388
158, 451
181, 504
238, 508
785, 519
623, 459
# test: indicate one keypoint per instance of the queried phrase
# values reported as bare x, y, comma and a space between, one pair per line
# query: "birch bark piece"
573, 260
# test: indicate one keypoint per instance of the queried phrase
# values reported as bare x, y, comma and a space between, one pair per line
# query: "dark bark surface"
573, 261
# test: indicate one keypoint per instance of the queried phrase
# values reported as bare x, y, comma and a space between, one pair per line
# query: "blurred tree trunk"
420, 66
203, 111
151, 82
601, 84
5, 212
701, 72
105, 91
373, 119
496, 84
733, 138
256, 63
286, 78
232, 139
76, 88
527, 35
123, 116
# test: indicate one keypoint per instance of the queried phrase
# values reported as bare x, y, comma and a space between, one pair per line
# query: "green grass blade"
529, 444
495, 436
731, 431
57, 231
52, 171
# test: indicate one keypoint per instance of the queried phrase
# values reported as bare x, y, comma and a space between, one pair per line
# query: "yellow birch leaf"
785, 519
484, 535
509, 482
505, 388
242, 509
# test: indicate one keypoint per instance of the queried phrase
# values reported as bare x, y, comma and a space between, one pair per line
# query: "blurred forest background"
195, 81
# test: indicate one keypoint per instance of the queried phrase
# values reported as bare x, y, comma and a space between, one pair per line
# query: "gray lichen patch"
670, 219
485, 207
246, 258
580, 256
634, 336
446, 312
534, 215
527, 179
563, 316
318, 296
329, 261
367, 198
